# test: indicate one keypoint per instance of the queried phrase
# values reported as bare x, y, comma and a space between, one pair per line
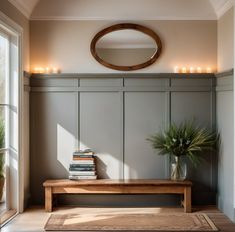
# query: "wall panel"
101, 130
54, 134
145, 113
225, 125
198, 106
191, 105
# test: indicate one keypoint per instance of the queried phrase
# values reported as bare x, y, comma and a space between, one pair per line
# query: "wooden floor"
2, 207
34, 219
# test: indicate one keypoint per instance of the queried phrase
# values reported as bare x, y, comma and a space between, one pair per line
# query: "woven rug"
130, 222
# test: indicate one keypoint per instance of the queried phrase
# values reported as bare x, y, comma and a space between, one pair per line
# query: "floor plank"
34, 219
6, 215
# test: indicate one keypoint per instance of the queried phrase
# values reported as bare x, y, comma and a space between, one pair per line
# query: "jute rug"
130, 222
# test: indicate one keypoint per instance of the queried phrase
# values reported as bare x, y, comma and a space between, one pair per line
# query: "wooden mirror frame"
123, 26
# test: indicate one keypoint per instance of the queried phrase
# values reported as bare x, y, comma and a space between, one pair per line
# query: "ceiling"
25, 6
221, 6
124, 9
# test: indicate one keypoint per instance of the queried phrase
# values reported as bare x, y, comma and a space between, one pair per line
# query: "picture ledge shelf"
121, 75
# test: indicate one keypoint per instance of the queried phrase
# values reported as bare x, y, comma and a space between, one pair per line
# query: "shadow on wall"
105, 161
101, 169
66, 145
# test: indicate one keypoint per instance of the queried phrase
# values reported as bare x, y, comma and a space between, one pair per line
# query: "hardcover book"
82, 165
82, 169
82, 177
82, 173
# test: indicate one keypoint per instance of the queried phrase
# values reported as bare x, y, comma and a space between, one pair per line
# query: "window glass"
3, 68
2, 127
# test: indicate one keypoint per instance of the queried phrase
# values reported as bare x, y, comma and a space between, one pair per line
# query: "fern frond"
187, 139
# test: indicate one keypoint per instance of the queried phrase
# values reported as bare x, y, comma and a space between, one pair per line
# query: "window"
4, 62
9, 117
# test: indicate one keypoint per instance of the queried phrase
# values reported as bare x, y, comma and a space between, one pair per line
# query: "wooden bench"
109, 186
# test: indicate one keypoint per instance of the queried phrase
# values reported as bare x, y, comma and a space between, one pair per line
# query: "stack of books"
83, 165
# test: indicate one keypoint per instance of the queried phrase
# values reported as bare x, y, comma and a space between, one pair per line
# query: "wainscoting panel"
198, 106
192, 105
225, 125
145, 114
146, 82
101, 82
101, 130
114, 114
54, 134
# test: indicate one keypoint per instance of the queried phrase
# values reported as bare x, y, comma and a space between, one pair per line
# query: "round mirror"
126, 47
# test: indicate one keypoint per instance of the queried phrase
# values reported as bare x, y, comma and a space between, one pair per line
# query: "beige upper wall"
20, 19
226, 41
66, 44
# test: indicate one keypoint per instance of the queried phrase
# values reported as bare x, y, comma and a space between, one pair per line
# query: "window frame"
9, 27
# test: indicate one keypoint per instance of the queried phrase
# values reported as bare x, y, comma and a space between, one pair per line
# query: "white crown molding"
26, 12
74, 18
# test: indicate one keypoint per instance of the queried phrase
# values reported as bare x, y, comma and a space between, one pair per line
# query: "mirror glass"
126, 47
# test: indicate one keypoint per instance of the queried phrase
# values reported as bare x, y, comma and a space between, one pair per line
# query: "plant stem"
177, 171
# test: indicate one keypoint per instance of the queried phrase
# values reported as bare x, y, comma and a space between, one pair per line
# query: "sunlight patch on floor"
115, 211
85, 218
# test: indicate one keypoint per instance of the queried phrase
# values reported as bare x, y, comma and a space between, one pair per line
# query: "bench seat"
110, 186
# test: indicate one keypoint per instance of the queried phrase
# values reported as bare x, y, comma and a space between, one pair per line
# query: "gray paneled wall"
225, 124
114, 114
101, 130
54, 132
145, 113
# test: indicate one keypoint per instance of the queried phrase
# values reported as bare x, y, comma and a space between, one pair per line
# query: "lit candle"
42, 70
191, 69
199, 70
184, 70
55, 70
47, 70
209, 70
176, 69
36, 70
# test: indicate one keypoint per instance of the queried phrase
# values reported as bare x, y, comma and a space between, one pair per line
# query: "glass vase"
178, 169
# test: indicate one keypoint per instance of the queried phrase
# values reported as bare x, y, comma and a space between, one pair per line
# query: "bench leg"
48, 199
187, 200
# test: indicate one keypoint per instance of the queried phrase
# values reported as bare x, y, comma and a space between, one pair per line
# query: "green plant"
2, 142
187, 139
